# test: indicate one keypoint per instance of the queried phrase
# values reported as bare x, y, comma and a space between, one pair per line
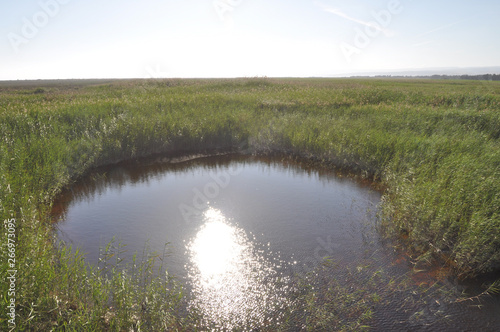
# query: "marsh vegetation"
433, 146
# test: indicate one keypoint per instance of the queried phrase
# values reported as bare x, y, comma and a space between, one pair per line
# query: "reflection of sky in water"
233, 284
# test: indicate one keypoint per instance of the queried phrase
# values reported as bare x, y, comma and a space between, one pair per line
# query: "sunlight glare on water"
217, 248
232, 284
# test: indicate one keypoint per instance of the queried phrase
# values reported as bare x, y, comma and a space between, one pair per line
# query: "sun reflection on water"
233, 284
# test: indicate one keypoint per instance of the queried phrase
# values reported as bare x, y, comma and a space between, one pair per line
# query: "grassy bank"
433, 144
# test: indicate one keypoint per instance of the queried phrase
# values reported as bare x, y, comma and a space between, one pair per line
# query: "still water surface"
237, 227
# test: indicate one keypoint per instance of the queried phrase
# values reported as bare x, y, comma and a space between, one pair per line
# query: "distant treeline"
485, 77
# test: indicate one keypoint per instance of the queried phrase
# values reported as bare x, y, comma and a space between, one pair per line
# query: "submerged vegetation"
433, 145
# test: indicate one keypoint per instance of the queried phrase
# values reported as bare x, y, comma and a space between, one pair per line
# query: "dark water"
239, 227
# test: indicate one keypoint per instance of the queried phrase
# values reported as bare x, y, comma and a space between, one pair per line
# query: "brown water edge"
475, 303
440, 267
420, 275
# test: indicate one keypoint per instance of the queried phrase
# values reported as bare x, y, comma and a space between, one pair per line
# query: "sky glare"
45, 39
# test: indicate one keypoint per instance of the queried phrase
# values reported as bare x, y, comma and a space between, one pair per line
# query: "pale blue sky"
230, 38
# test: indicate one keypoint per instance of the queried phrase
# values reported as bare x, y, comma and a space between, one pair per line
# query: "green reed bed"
433, 145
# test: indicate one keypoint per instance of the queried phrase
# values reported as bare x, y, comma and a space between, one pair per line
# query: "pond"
237, 229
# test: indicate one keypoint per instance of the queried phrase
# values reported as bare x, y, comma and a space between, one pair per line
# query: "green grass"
433, 146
